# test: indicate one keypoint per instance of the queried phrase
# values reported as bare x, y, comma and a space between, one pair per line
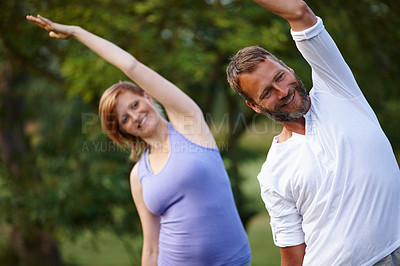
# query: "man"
330, 183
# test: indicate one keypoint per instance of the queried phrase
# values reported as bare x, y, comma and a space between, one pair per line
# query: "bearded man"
330, 183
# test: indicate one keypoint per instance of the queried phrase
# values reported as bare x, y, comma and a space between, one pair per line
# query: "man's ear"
291, 70
254, 107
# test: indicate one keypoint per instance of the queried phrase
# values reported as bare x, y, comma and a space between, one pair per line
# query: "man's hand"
293, 256
296, 12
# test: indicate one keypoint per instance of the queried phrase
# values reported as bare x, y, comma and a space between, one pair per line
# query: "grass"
102, 249
107, 249
264, 252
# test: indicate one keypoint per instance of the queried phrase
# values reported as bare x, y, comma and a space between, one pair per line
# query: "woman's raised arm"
178, 105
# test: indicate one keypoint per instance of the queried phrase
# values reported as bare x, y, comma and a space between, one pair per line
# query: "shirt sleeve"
329, 70
286, 222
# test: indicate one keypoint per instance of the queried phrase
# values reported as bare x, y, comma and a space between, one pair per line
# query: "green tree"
59, 174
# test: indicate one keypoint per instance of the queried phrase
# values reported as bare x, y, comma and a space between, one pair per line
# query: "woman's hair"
110, 122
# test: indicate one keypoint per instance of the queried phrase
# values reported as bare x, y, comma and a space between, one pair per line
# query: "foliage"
70, 177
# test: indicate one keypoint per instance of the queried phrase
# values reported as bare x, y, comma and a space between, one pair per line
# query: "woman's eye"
135, 105
124, 120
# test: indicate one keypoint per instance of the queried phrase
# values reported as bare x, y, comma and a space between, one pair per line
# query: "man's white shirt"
336, 188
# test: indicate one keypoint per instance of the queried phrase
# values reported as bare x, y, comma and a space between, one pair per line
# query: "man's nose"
281, 90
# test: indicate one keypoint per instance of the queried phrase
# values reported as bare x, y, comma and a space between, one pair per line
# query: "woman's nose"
134, 115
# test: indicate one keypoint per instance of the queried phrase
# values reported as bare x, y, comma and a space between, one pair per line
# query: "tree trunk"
35, 248
29, 245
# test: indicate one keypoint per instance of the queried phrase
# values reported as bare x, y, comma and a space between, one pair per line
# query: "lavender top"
200, 224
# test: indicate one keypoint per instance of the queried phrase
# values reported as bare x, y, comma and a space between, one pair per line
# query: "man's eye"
280, 77
135, 105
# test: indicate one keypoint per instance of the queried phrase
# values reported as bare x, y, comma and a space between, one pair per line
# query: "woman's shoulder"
134, 171
199, 134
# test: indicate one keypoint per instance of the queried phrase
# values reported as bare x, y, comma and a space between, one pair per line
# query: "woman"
179, 185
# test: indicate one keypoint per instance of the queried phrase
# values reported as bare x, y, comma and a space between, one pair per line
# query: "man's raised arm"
296, 12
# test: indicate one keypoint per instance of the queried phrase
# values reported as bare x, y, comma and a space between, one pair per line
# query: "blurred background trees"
60, 175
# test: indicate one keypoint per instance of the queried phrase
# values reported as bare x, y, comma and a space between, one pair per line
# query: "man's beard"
285, 116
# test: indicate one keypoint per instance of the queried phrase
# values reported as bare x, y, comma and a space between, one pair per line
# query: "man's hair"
245, 61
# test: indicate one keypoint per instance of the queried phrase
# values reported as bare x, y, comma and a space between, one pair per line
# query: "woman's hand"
56, 30
176, 103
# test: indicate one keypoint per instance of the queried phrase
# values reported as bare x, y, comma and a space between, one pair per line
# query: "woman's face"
136, 114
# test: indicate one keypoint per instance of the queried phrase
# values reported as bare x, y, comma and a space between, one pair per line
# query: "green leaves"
73, 177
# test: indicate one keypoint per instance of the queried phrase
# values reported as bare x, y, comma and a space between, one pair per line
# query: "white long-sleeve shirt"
336, 188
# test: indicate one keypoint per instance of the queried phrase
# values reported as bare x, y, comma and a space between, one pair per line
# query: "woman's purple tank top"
200, 224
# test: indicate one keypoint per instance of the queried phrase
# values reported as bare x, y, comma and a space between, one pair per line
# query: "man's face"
276, 91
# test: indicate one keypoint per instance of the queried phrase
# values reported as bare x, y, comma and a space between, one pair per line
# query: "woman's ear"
122, 131
148, 97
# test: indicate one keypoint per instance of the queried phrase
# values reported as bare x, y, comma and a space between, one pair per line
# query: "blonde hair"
110, 122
